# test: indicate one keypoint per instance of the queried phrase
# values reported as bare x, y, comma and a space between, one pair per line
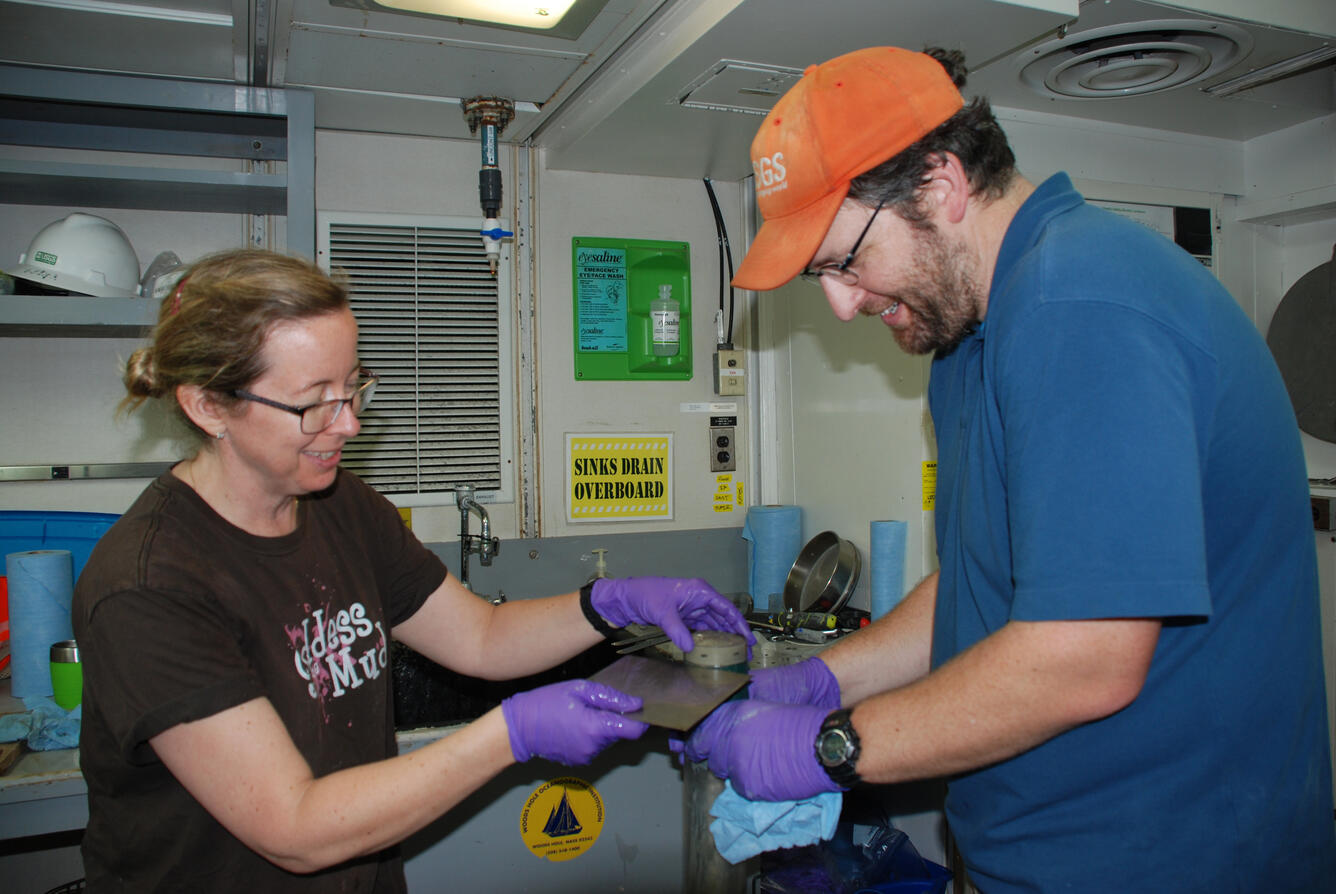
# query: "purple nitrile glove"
569, 722
808, 682
767, 750
673, 604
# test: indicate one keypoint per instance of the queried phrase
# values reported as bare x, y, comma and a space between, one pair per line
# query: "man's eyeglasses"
319, 416
840, 272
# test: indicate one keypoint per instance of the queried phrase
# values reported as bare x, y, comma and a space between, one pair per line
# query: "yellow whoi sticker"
562, 819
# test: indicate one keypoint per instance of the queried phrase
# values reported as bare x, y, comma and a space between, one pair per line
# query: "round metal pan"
1300, 339
824, 575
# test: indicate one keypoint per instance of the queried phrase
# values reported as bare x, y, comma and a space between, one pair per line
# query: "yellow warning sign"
562, 819
618, 477
929, 486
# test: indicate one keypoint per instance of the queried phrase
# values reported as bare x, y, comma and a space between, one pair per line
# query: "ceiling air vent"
750, 88
1134, 59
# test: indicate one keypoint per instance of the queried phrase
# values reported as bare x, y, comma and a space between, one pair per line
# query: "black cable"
719, 247
726, 251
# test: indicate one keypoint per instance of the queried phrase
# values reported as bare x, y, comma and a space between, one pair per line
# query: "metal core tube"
704, 871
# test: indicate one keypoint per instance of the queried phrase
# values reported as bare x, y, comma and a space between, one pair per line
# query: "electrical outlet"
729, 372
723, 449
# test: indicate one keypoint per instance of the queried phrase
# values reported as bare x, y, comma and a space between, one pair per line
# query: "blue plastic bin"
75, 531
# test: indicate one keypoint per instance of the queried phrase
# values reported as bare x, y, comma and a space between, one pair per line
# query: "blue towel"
744, 828
46, 725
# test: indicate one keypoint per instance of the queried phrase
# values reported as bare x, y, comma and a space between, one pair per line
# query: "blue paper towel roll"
888, 565
776, 535
41, 586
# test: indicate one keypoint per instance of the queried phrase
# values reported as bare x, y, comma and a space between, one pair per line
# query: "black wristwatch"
837, 748
591, 614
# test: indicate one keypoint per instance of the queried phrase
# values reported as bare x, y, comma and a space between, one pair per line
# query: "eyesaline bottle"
666, 315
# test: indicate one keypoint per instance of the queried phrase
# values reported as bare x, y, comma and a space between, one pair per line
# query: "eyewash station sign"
619, 477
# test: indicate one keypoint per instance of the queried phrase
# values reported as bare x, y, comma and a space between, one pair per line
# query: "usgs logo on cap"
770, 173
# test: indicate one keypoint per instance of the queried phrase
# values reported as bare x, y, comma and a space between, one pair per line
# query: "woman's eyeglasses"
319, 416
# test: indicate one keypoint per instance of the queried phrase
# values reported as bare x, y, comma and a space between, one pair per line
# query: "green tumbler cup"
66, 674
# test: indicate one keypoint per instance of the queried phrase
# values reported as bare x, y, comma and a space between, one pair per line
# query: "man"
1118, 665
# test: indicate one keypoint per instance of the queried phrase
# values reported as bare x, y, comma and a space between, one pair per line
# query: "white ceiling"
610, 98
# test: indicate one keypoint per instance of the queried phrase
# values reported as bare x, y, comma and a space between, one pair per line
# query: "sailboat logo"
561, 822
562, 819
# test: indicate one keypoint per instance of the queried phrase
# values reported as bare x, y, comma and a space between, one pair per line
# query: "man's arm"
1013, 690
1019, 687
893, 651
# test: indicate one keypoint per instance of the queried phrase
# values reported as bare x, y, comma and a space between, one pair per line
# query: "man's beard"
945, 299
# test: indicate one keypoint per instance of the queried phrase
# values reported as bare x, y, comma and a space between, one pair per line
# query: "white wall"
413, 175
58, 396
571, 204
416, 175
860, 429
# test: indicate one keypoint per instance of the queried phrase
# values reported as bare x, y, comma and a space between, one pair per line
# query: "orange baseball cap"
843, 118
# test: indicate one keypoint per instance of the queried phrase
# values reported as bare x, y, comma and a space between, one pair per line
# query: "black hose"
725, 252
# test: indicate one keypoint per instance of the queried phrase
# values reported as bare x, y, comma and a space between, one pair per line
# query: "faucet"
484, 544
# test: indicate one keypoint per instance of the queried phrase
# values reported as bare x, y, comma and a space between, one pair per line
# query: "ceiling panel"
631, 119
413, 66
185, 38
1183, 109
395, 73
635, 92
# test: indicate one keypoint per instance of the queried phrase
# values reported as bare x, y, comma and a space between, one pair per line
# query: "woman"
235, 622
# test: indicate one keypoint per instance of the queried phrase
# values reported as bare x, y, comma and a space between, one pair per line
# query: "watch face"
833, 747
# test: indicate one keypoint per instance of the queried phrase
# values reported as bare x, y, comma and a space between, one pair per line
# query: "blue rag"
46, 725
744, 828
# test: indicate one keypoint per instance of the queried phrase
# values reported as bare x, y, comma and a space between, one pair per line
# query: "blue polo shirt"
1115, 441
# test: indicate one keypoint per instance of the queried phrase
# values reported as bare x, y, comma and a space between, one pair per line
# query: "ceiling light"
539, 14
1273, 72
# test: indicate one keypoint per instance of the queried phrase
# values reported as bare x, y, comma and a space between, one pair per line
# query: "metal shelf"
111, 114
76, 316
159, 189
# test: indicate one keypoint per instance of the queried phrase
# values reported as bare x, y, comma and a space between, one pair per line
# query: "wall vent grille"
431, 325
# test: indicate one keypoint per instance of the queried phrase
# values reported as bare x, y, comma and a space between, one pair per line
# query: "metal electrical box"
615, 282
729, 373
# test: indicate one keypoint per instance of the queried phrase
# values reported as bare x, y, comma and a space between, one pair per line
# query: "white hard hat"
82, 253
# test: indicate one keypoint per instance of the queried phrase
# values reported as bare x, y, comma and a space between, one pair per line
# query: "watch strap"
591, 615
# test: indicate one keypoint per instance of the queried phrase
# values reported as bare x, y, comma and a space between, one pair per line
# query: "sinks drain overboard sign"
617, 477
562, 819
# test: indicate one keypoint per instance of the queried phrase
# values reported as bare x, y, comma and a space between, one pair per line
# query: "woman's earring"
219, 436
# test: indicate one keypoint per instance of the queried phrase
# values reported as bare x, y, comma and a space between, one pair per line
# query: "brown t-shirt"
180, 615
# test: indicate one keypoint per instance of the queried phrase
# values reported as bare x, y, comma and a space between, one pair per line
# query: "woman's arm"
469, 635
243, 767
